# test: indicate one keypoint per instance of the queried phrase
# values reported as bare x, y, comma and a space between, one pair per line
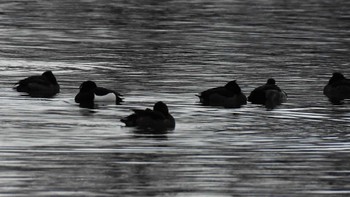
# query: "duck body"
44, 85
269, 95
89, 94
229, 96
275, 98
157, 119
337, 89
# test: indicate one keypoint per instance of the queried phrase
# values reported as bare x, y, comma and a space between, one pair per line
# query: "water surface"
171, 50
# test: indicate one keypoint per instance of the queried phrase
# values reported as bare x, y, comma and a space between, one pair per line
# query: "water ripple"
171, 51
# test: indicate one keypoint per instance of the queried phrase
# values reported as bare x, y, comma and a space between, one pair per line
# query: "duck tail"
119, 100
123, 120
129, 121
285, 93
15, 86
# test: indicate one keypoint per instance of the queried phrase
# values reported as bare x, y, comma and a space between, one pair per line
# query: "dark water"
170, 50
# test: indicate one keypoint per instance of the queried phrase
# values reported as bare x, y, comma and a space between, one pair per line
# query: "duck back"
44, 85
229, 96
268, 94
155, 120
106, 95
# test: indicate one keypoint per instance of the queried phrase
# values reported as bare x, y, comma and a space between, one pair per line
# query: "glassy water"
170, 50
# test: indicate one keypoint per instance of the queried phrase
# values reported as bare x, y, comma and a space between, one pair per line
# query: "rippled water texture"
167, 50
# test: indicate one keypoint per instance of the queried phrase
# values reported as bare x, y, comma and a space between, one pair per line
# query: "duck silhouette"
268, 94
90, 93
156, 120
337, 89
229, 96
43, 86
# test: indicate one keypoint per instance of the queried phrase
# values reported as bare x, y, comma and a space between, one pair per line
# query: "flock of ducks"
159, 118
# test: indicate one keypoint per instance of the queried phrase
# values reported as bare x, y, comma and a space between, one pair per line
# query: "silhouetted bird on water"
269, 95
43, 86
338, 88
154, 121
229, 96
89, 94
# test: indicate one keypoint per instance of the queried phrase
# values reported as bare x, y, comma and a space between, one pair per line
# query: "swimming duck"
44, 85
269, 95
156, 120
338, 88
229, 96
89, 94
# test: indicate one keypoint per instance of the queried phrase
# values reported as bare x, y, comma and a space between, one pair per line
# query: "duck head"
88, 86
233, 86
49, 76
161, 107
336, 77
271, 81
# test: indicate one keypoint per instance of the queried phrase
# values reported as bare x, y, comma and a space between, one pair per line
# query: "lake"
170, 51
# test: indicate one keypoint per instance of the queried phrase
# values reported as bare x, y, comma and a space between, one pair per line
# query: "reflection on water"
171, 50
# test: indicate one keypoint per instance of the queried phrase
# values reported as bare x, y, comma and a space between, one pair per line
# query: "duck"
42, 86
155, 120
90, 93
337, 89
268, 94
228, 96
